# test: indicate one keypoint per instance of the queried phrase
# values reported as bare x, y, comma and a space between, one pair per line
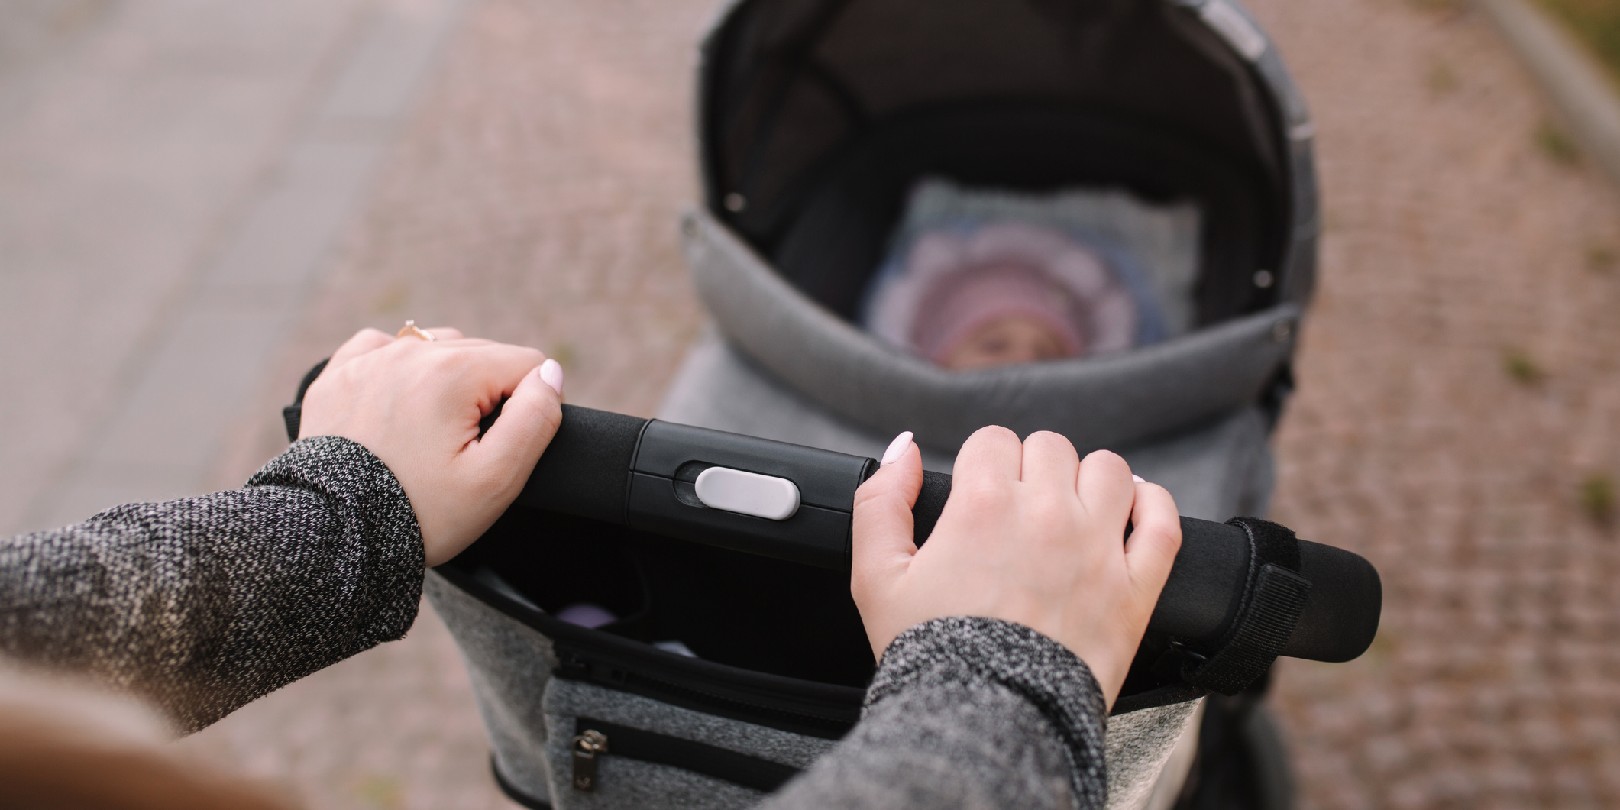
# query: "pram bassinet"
816, 119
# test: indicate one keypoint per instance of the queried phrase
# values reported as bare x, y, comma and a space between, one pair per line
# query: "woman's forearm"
203, 604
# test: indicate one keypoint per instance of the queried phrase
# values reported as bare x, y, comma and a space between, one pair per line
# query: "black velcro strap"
292, 415
1273, 601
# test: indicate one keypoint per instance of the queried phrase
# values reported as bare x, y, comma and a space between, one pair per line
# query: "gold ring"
410, 329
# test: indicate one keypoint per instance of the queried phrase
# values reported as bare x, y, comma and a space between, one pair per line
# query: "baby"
999, 294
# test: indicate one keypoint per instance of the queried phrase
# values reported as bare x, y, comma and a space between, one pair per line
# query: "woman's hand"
1031, 534
416, 405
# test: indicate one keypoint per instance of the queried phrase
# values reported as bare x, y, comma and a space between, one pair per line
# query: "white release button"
747, 493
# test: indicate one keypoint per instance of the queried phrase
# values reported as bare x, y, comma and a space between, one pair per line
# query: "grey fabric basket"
533, 719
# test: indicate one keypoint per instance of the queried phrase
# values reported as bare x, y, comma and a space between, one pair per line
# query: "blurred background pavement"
200, 199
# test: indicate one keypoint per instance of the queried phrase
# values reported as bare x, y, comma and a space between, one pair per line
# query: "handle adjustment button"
747, 493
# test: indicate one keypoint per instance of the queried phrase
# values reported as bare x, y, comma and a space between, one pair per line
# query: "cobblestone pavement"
1456, 419
1458, 422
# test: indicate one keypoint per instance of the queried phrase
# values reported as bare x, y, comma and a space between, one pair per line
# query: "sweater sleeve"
967, 712
204, 604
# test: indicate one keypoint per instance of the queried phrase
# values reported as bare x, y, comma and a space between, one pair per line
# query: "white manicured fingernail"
1139, 479
896, 448
551, 374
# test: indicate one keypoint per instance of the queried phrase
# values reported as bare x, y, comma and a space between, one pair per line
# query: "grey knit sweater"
204, 604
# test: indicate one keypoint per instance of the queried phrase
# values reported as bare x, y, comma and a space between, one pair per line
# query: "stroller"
826, 127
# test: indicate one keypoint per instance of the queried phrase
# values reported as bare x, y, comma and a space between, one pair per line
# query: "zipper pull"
586, 746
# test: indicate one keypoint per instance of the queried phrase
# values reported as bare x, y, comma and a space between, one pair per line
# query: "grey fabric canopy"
788, 87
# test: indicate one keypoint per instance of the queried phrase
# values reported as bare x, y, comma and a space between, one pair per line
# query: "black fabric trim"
700, 758
1274, 600
1272, 542
512, 791
1155, 698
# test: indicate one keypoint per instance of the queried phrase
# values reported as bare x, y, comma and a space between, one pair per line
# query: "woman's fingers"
1155, 539
495, 369
1106, 489
363, 341
882, 550
882, 524
1050, 462
527, 423
1013, 544
991, 458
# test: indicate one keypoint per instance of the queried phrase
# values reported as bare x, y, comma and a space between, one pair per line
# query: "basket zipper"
587, 746
592, 743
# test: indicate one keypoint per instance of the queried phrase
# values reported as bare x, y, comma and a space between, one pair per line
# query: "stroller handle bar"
794, 503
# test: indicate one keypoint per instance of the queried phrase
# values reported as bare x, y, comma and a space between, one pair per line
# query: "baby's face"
1006, 340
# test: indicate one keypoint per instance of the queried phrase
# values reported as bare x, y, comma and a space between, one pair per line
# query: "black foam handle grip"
1206, 586
586, 470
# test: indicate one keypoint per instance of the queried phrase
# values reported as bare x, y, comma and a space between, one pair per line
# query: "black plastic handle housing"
630, 471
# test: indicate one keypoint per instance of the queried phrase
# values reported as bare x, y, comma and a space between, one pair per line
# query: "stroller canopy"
817, 119
1030, 94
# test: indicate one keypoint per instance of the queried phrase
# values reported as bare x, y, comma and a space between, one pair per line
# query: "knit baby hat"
955, 280
959, 303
